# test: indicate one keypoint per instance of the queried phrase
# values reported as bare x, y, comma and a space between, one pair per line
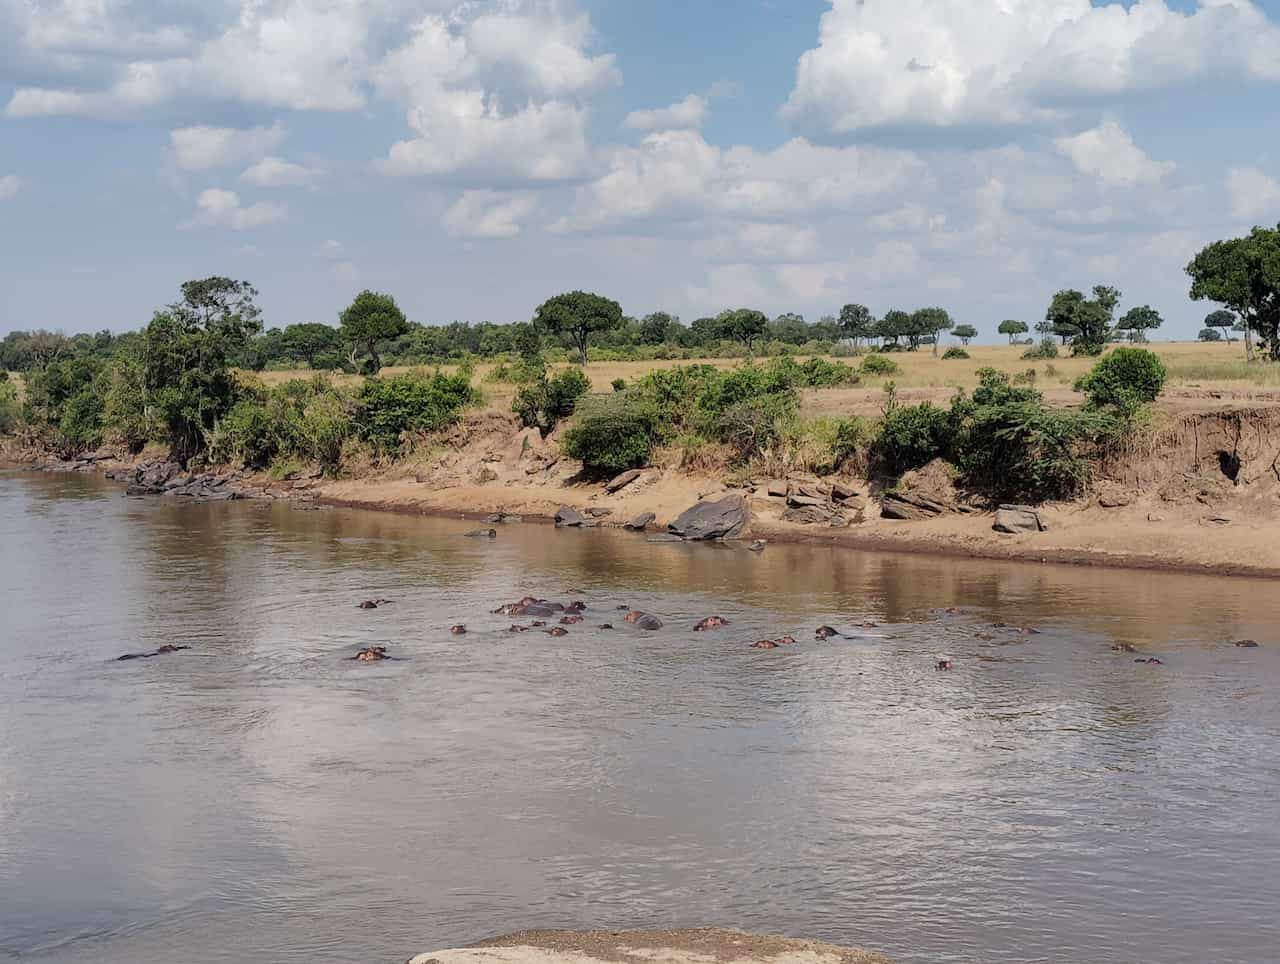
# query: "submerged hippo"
711, 622
825, 632
1123, 648
371, 654
373, 603
482, 534
764, 644
944, 665
163, 650
556, 631
606, 625
643, 620
458, 630
518, 629
1150, 661
787, 640
1246, 644
570, 620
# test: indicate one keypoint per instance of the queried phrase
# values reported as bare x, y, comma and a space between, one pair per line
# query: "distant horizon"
473, 159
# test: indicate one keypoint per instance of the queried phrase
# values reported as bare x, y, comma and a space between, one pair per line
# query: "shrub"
1127, 378
619, 384
325, 426
879, 365
80, 427
911, 436
1048, 348
546, 403
820, 373
954, 353
244, 434
852, 437
390, 407
751, 428
613, 435
10, 409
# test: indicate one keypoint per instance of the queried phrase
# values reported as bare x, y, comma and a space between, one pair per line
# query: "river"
261, 797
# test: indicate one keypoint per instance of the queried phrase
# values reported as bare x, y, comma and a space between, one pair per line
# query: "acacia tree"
305, 342
1244, 275
1223, 319
964, 333
1012, 328
929, 322
655, 327
372, 317
1085, 321
894, 325
1138, 321
743, 324
577, 315
1210, 334
857, 322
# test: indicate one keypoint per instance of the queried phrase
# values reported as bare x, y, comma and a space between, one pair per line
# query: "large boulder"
620, 482
814, 515
640, 522
911, 507
566, 516
1018, 518
724, 519
843, 494
796, 500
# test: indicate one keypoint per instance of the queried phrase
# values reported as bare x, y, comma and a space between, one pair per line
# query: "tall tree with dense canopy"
1138, 321
305, 342
577, 315
372, 317
1012, 328
745, 325
1244, 275
1086, 322
929, 322
1226, 320
858, 323
1210, 334
656, 327
894, 325
964, 333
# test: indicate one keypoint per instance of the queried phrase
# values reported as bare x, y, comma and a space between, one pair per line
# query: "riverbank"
1201, 495
702, 946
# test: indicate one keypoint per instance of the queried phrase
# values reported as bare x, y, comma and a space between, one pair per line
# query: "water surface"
262, 798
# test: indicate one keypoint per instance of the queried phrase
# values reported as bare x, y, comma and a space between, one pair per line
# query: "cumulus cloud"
216, 208
276, 172
201, 148
957, 63
10, 185
689, 113
1253, 194
1109, 154
487, 214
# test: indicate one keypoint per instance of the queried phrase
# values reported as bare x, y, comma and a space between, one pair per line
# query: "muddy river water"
260, 797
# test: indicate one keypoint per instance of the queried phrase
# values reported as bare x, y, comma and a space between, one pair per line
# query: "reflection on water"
260, 797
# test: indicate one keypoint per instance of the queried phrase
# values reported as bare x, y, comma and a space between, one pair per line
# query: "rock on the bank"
1018, 518
567, 516
705, 521
620, 482
667, 946
641, 522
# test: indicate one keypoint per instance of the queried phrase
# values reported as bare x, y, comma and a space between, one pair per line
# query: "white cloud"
10, 185
330, 248
203, 148
1109, 154
222, 209
277, 172
1253, 194
687, 114
487, 214
953, 63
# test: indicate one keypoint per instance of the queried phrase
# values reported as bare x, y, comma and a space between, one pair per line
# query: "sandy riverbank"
704, 946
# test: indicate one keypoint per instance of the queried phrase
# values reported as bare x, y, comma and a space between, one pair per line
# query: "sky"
474, 158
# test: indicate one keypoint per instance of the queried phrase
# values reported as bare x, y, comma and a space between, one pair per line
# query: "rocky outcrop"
569, 517
911, 507
640, 522
1012, 519
813, 515
725, 519
620, 482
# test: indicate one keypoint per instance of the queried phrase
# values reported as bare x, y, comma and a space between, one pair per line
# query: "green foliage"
911, 436
619, 384
577, 315
1210, 334
545, 403
954, 353
1085, 322
10, 409
369, 319
857, 322
751, 427
928, 322
743, 324
614, 434
1138, 321
1012, 328
820, 373
1127, 378
389, 408
879, 365
1244, 275
1047, 348
964, 333
1226, 320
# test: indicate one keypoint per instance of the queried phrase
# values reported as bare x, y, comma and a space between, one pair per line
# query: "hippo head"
764, 644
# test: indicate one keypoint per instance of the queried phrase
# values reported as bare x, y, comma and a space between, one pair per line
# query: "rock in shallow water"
724, 519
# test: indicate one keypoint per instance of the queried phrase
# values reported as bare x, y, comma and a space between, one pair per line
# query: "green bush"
852, 437
751, 428
80, 427
820, 373
244, 435
1048, 348
10, 409
911, 436
1126, 379
388, 408
954, 353
613, 435
619, 384
549, 401
879, 365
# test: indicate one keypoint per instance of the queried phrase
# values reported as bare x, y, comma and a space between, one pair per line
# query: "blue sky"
474, 158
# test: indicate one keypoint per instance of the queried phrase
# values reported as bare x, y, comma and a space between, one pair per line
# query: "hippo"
825, 632
482, 534
952, 611
643, 620
1123, 648
458, 630
1152, 661
162, 651
371, 654
944, 665
578, 606
711, 622
570, 620
764, 644
606, 625
518, 629
623, 608
373, 603
786, 640
537, 624
1246, 644
556, 631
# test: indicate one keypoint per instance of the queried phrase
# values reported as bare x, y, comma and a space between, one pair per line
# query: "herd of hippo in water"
571, 614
